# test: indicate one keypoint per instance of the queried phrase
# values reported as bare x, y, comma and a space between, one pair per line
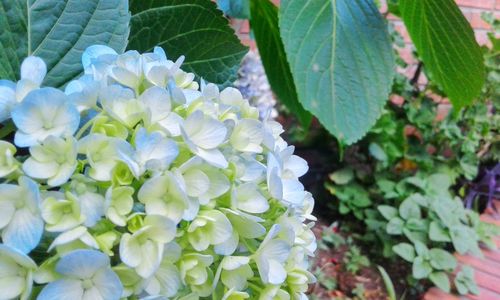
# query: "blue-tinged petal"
213, 157
26, 116
40, 170
24, 230
130, 250
93, 52
11, 286
7, 102
19, 257
108, 284
33, 68
63, 289
82, 263
24, 139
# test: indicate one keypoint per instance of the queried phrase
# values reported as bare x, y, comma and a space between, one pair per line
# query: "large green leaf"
445, 42
58, 31
264, 21
342, 62
194, 28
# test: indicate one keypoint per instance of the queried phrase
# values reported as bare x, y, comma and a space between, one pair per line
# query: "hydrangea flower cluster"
138, 182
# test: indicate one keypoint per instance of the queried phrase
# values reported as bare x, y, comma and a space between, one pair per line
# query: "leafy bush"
408, 182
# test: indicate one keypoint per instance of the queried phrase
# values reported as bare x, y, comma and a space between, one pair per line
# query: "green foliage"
210, 46
264, 22
409, 167
464, 281
341, 60
354, 260
58, 32
446, 44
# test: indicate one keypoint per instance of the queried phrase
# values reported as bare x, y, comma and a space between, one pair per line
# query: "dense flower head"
139, 181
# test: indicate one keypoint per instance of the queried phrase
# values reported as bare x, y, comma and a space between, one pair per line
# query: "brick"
482, 37
477, 22
407, 55
491, 219
497, 5
477, 3
245, 27
483, 264
400, 27
493, 255
437, 294
487, 281
484, 294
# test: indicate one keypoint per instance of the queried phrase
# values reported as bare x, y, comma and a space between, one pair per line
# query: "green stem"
84, 128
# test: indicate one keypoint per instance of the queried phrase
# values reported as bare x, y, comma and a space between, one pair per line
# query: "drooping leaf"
58, 31
438, 232
388, 212
421, 268
446, 43
395, 226
194, 28
342, 176
239, 9
342, 62
409, 209
441, 280
442, 259
264, 22
405, 250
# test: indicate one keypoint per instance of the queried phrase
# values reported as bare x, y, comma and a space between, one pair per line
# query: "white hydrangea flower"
166, 281
247, 197
61, 211
209, 228
73, 239
21, 223
158, 114
103, 154
152, 152
120, 103
247, 136
44, 112
119, 203
33, 71
83, 92
234, 272
16, 271
54, 159
86, 275
271, 255
182, 184
163, 195
203, 135
195, 272
143, 250
8, 162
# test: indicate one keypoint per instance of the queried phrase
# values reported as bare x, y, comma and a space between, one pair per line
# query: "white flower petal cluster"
137, 181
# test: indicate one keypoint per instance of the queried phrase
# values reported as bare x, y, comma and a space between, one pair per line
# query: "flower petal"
82, 263
62, 289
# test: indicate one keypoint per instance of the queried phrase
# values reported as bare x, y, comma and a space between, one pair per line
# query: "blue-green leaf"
58, 31
446, 43
264, 23
194, 28
342, 62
